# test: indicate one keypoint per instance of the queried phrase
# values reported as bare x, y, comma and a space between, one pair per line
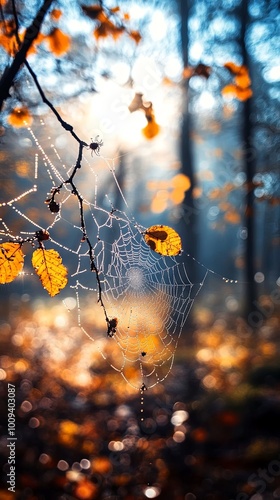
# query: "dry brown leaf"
136, 103
11, 261
52, 273
92, 11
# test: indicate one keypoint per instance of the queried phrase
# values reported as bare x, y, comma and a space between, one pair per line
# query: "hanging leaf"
163, 240
11, 261
136, 103
151, 130
52, 273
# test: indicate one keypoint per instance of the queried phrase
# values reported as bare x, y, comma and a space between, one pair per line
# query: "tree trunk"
189, 211
249, 163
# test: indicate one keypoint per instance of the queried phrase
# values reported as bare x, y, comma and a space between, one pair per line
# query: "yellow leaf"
52, 273
163, 240
11, 261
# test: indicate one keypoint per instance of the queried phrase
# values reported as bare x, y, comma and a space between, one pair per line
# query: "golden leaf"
11, 261
163, 240
52, 273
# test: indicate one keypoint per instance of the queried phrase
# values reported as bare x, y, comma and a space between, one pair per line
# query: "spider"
112, 327
95, 145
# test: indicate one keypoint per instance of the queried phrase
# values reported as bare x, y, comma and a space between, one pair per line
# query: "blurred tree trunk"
249, 163
189, 210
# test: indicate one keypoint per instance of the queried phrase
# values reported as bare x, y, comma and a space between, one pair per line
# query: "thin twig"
77, 166
31, 33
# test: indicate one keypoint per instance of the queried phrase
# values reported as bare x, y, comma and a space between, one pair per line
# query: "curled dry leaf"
163, 240
52, 273
136, 103
11, 261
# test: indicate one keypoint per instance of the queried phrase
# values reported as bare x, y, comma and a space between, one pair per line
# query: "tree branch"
11, 71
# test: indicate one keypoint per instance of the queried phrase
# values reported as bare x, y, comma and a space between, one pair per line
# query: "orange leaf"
11, 261
52, 273
20, 117
151, 130
135, 35
59, 42
243, 80
163, 240
229, 90
243, 94
7, 36
114, 10
234, 68
56, 14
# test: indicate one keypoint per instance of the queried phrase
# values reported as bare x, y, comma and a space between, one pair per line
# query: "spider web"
147, 296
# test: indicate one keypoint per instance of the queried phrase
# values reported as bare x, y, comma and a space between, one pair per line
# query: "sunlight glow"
272, 74
121, 72
158, 26
205, 101
173, 67
179, 417
196, 50
152, 492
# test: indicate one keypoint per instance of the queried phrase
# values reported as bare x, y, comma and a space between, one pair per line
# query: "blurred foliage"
214, 421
